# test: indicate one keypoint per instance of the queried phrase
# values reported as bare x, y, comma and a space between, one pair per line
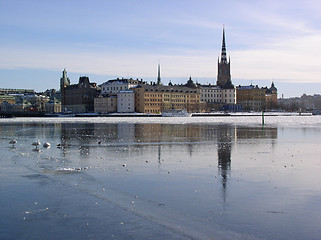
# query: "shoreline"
218, 114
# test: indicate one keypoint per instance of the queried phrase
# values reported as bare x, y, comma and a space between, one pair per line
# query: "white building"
116, 85
216, 94
126, 101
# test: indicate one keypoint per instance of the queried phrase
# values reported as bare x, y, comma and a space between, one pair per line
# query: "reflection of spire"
224, 146
159, 154
190, 149
224, 160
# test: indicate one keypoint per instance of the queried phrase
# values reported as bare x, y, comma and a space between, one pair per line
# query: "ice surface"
157, 178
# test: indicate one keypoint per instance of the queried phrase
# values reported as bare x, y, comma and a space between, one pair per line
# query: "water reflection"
219, 173
88, 136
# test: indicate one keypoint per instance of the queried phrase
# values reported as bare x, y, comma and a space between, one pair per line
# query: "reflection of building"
225, 136
79, 97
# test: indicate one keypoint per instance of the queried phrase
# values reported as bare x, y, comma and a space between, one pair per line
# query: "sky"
267, 41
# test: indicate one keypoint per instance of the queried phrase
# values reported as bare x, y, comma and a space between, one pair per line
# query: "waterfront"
161, 178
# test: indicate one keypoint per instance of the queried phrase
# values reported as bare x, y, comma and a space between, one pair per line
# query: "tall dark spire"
224, 75
223, 53
158, 76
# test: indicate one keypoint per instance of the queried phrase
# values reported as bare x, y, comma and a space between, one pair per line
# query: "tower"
224, 73
64, 82
158, 76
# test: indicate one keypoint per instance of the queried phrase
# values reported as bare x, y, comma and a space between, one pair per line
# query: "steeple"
64, 80
158, 76
223, 52
224, 72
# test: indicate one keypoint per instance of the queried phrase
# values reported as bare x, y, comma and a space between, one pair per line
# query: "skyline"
266, 41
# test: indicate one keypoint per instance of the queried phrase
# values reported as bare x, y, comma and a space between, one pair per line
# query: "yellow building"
157, 98
105, 104
252, 98
271, 97
8, 98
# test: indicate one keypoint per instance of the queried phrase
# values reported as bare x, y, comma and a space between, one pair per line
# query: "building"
53, 106
251, 97
105, 104
116, 85
5, 91
159, 98
215, 94
126, 101
6, 107
224, 92
23, 105
11, 99
254, 98
78, 98
64, 82
271, 97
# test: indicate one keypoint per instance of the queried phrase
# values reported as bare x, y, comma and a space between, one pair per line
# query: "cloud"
296, 60
292, 59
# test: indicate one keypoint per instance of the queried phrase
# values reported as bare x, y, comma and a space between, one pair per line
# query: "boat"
175, 113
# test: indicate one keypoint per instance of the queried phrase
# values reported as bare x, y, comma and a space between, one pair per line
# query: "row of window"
114, 88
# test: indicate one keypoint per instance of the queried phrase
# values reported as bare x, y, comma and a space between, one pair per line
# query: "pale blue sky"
266, 40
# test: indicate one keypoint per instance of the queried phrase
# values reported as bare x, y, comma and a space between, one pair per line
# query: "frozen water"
161, 178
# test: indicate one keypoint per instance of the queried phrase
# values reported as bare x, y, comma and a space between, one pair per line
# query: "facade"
6, 107
116, 85
215, 94
78, 98
38, 102
158, 98
105, 104
271, 97
23, 105
4, 91
126, 101
251, 97
8, 98
53, 106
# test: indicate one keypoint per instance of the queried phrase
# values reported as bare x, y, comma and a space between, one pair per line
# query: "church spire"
224, 71
223, 53
158, 76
